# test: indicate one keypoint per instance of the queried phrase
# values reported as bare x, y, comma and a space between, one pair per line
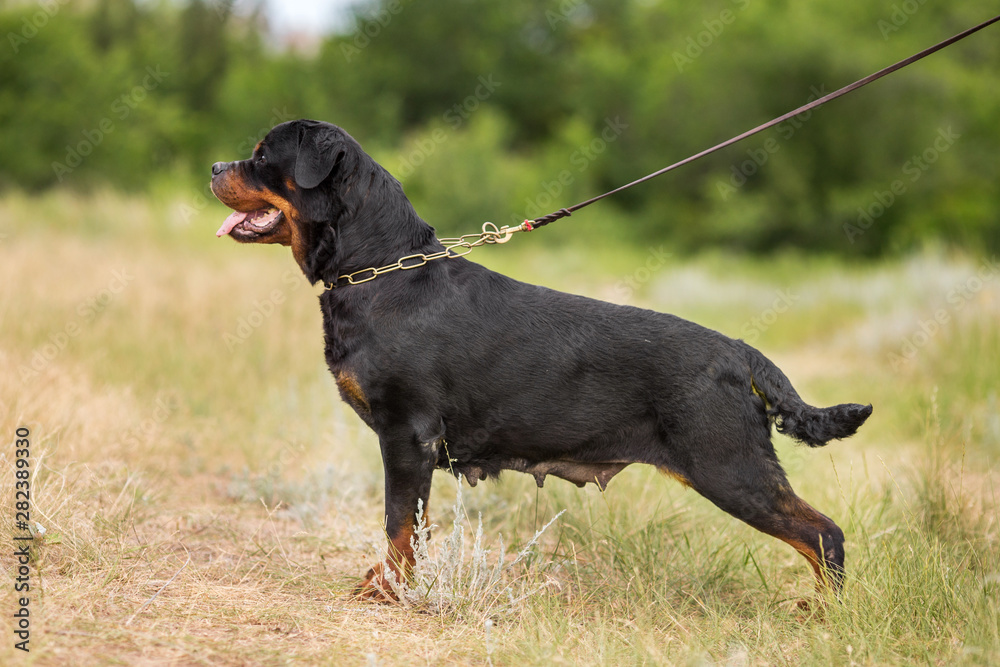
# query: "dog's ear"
317, 155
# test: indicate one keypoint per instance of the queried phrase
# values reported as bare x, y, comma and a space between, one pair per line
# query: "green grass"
156, 441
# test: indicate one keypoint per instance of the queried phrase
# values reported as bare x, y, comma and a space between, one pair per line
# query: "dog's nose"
219, 167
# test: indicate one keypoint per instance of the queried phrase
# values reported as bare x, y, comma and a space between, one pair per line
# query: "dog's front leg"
409, 465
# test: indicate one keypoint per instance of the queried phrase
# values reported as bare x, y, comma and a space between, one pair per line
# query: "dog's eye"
261, 159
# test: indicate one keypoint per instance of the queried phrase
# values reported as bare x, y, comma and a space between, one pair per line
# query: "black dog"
568, 386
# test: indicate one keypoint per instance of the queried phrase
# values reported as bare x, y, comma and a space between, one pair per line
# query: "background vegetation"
406, 78
161, 447
207, 499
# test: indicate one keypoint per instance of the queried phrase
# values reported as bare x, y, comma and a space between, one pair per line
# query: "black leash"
564, 212
462, 245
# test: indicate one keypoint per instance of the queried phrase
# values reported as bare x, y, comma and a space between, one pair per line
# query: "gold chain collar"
490, 234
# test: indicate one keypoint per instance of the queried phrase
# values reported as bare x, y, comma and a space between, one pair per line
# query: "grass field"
208, 499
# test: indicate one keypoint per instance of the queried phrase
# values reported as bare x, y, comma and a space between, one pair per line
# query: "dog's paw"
808, 610
375, 587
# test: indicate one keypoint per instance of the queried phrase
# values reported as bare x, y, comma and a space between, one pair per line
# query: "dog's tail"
793, 416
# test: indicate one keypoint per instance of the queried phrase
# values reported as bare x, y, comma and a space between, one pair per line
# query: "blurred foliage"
500, 110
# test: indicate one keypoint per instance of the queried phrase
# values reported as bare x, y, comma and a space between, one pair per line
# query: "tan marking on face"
234, 193
298, 248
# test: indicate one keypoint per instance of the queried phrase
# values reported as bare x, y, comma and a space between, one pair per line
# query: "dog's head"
287, 191
309, 185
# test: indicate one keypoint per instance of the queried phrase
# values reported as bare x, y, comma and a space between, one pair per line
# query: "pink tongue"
235, 218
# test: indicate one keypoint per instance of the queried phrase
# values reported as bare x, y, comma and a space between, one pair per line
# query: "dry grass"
212, 502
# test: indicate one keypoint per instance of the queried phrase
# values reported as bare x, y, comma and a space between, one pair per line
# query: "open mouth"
257, 222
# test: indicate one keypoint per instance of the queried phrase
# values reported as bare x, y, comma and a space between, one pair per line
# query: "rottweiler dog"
459, 368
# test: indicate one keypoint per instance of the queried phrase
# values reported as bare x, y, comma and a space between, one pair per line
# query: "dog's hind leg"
772, 507
812, 534
747, 481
